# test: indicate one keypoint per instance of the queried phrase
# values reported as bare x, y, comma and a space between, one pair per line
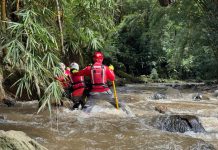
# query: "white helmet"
62, 66
74, 66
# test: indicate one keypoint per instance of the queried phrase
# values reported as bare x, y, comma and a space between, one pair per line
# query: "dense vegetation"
178, 41
141, 37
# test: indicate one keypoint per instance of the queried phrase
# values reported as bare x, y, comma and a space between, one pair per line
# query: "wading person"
99, 75
78, 87
64, 80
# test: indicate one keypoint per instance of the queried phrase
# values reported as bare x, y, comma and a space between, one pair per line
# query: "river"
111, 129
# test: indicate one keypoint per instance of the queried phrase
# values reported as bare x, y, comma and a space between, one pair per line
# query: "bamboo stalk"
60, 26
18, 5
3, 13
4, 25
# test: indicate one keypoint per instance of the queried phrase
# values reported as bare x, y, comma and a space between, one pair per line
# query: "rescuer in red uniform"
64, 80
78, 87
99, 75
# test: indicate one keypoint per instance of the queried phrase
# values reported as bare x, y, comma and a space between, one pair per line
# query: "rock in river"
18, 140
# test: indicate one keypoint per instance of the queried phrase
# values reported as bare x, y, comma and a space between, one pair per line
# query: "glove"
74, 71
111, 67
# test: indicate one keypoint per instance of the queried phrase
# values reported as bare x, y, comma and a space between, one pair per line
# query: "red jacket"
78, 85
109, 75
65, 81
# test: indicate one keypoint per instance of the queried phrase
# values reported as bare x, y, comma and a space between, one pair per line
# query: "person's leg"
110, 98
83, 100
67, 92
90, 102
76, 102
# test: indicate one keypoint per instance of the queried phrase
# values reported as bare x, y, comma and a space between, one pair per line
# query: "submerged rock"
178, 123
158, 96
17, 140
167, 93
202, 145
173, 93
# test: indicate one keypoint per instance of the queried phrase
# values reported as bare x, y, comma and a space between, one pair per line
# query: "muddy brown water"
113, 129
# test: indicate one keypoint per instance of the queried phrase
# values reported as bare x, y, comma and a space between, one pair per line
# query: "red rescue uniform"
99, 74
78, 85
65, 81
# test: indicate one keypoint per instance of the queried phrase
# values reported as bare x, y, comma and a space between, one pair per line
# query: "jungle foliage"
37, 35
141, 37
179, 41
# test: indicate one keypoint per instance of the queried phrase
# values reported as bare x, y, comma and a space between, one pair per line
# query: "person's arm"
85, 72
110, 74
60, 78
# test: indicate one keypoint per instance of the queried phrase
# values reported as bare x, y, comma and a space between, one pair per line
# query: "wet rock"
17, 140
200, 96
205, 97
202, 145
187, 86
158, 96
167, 93
216, 93
2, 117
197, 96
161, 109
9, 101
178, 123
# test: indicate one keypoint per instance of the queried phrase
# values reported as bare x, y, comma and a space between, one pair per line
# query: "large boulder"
178, 123
18, 140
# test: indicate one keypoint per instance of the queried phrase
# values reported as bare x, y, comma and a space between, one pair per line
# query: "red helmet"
98, 57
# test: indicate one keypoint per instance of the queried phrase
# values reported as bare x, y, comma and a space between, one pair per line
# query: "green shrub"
154, 74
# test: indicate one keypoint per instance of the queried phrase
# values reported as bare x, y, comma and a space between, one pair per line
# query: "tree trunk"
3, 13
3, 19
2, 91
17, 5
60, 26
